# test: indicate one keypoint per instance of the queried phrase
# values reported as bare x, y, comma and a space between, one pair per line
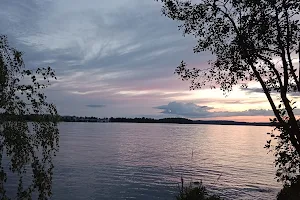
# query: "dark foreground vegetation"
25, 148
199, 192
195, 192
290, 192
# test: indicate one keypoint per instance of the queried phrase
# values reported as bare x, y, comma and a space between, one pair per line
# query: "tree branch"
268, 95
292, 133
282, 53
272, 66
299, 60
288, 38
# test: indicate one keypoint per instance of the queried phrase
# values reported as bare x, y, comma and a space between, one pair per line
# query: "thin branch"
281, 47
288, 38
299, 60
268, 95
272, 66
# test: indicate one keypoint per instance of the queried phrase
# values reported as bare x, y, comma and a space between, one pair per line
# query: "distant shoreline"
206, 123
178, 120
157, 121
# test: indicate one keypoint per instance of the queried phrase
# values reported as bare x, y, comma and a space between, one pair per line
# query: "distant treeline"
186, 121
57, 118
82, 119
29, 117
151, 120
47, 117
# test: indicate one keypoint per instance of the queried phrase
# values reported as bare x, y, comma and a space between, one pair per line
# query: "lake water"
114, 161
146, 161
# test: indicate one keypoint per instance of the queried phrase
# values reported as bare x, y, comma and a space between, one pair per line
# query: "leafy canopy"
252, 40
25, 147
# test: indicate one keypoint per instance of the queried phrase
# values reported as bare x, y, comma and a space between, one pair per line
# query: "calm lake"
114, 161
146, 161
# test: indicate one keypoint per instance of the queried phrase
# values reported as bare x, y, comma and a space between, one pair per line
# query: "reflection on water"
146, 161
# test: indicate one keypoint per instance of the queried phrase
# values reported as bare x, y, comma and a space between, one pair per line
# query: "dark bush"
290, 192
195, 192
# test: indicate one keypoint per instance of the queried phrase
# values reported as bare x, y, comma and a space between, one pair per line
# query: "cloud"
121, 54
234, 101
192, 110
102, 49
185, 109
97, 48
252, 90
95, 106
260, 91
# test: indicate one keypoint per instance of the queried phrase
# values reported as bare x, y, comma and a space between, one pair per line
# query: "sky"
117, 59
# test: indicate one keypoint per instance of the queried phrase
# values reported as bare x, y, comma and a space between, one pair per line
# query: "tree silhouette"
25, 147
251, 41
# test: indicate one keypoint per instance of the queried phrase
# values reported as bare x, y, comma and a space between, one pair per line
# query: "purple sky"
117, 58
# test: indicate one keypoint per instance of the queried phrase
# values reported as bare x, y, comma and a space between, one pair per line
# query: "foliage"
286, 157
290, 192
195, 193
251, 41
25, 147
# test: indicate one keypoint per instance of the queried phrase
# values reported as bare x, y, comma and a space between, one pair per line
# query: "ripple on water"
146, 161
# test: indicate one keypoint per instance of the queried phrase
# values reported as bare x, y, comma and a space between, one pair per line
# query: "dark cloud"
192, 110
231, 101
95, 106
185, 109
260, 90
252, 90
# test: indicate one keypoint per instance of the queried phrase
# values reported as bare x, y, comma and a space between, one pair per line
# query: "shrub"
290, 192
193, 192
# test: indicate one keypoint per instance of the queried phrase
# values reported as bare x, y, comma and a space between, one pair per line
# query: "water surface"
146, 161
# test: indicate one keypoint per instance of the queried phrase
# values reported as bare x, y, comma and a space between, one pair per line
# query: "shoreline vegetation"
176, 120
188, 121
